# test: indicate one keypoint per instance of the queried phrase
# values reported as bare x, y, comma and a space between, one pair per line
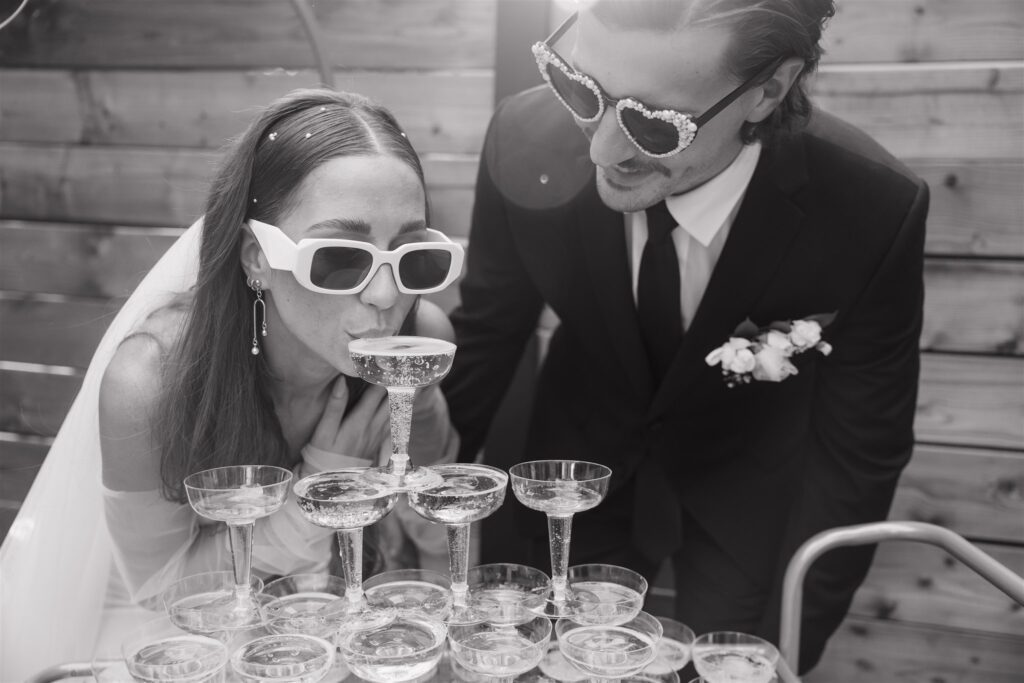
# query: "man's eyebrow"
357, 226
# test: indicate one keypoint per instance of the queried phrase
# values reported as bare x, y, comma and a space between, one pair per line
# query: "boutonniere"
763, 353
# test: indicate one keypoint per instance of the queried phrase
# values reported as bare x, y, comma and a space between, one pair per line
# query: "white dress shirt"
705, 215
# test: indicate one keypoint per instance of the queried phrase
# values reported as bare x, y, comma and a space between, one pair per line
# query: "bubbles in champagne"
342, 500
468, 493
402, 361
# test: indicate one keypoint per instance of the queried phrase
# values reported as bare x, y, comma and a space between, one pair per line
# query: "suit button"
654, 426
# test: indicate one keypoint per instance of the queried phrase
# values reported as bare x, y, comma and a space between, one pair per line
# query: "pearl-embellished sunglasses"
656, 132
340, 266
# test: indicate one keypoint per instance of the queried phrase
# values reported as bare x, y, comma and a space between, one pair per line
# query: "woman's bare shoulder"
130, 393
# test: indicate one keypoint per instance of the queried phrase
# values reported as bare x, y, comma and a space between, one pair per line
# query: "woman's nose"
609, 146
382, 290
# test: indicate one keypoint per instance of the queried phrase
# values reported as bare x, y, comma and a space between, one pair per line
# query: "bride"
233, 350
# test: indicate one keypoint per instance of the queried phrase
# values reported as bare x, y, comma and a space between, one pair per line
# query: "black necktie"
659, 306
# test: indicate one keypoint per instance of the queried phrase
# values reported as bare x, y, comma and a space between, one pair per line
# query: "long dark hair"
216, 408
761, 31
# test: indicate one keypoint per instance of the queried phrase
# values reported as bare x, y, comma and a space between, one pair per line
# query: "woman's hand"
358, 434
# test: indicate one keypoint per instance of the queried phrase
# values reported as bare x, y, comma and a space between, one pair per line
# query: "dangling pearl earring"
259, 309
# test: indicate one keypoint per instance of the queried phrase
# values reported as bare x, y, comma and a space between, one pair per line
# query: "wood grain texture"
78, 259
210, 34
975, 306
917, 583
976, 207
164, 187
964, 111
33, 403
924, 30
988, 504
441, 111
875, 651
971, 401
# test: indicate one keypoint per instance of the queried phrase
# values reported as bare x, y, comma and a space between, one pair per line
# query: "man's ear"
774, 90
254, 263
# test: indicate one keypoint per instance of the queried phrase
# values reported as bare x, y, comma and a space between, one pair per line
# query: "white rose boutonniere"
763, 353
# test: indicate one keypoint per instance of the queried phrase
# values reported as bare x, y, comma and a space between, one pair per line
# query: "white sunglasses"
340, 266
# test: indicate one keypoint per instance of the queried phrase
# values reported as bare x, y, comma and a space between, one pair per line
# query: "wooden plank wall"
112, 117
112, 113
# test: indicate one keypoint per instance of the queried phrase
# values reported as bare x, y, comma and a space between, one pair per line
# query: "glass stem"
559, 533
240, 537
350, 544
400, 402
458, 562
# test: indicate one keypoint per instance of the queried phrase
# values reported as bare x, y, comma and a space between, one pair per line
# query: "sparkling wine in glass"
158, 651
673, 649
500, 651
238, 495
402, 365
610, 651
467, 493
346, 501
283, 658
733, 657
560, 489
405, 649
412, 591
503, 593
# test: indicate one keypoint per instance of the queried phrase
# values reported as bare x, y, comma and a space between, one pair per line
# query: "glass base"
217, 611
414, 479
359, 616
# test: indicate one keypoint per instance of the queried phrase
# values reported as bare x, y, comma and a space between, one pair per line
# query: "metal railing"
865, 534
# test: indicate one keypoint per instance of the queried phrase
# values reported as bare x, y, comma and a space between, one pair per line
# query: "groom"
689, 188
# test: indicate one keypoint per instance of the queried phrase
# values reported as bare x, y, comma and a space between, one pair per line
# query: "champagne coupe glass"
238, 495
605, 593
344, 500
160, 651
412, 591
467, 493
283, 658
296, 604
187, 602
505, 593
405, 649
402, 364
732, 657
559, 488
610, 651
500, 651
673, 649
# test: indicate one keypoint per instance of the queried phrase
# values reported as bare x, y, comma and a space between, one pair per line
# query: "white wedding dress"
55, 561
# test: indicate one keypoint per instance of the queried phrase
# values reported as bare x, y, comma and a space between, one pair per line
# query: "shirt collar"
703, 210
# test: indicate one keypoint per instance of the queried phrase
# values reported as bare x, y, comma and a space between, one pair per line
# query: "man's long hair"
762, 31
216, 408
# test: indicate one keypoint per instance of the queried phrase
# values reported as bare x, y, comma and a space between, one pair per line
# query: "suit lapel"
602, 234
761, 235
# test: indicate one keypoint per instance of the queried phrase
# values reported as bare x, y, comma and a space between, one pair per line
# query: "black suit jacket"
830, 222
